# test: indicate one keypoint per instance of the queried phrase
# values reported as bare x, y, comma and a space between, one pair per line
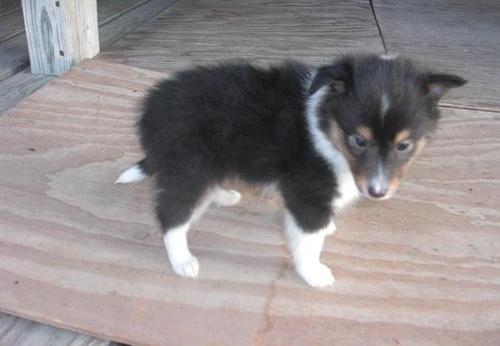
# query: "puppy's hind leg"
182, 261
177, 212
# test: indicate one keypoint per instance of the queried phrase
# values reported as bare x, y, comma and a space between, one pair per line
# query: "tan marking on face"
393, 186
337, 137
418, 149
401, 136
365, 132
361, 182
419, 146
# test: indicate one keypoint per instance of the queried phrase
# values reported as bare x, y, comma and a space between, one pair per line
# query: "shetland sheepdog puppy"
325, 135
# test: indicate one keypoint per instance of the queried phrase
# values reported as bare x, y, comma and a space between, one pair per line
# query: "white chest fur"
348, 191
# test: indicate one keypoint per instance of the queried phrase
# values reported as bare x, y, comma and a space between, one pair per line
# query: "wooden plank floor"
16, 331
457, 35
23, 83
116, 18
262, 31
11, 19
78, 252
13, 45
469, 34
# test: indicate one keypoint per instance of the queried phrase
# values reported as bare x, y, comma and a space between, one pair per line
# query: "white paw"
188, 268
316, 275
227, 198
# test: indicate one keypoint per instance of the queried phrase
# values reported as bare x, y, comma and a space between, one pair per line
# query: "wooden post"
60, 33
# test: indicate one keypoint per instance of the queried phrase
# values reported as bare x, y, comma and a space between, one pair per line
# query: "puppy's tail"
134, 174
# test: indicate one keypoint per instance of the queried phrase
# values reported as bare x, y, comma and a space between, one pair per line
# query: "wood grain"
107, 10
81, 253
14, 53
262, 31
60, 34
119, 23
454, 35
19, 86
11, 24
116, 18
15, 331
9, 6
13, 45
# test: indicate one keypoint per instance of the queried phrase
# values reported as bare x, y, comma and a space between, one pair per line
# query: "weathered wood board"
262, 31
11, 21
117, 23
16, 331
60, 34
8, 6
19, 86
456, 35
116, 18
78, 252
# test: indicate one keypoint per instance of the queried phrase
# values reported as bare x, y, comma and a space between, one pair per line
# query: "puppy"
324, 134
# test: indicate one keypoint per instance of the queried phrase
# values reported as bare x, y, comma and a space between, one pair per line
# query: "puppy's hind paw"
188, 268
316, 275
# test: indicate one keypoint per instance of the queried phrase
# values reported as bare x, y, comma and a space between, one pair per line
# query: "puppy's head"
378, 113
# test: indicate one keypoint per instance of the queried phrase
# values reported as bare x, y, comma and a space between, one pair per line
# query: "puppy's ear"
337, 76
437, 84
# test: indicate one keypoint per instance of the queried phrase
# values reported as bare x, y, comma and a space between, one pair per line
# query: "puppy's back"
232, 116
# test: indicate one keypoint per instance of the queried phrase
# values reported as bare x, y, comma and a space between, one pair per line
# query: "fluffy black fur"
211, 123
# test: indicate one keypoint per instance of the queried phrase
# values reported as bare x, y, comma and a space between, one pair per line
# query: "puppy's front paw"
331, 228
188, 268
316, 275
227, 198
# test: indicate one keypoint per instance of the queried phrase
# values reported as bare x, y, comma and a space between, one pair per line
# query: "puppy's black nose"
377, 192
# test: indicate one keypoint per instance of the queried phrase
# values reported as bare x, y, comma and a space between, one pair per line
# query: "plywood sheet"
455, 35
262, 31
78, 252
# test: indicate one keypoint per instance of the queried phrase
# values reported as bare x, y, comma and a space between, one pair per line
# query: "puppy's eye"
357, 142
405, 146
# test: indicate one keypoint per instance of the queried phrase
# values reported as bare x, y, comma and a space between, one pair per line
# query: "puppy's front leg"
305, 247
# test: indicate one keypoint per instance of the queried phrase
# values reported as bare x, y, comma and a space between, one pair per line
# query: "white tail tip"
131, 175
389, 56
